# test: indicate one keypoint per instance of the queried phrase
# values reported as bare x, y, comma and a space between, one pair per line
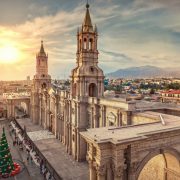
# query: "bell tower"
87, 77
87, 80
41, 80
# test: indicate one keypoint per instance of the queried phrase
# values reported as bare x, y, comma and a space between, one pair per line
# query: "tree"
6, 163
152, 91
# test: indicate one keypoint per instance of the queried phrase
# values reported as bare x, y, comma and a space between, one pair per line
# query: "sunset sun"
8, 54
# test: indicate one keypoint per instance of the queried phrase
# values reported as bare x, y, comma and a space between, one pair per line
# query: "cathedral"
86, 120
67, 114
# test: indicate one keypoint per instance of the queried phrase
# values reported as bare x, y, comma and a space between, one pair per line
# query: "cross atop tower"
87, 25
87, 4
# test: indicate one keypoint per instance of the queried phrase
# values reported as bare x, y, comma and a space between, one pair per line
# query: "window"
85, 43
92, 69
44, 85
92, 90
90, 44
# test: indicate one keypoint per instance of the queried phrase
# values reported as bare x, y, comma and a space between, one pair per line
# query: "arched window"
92, 90
85, 43
91, 69
44, 85
90, 44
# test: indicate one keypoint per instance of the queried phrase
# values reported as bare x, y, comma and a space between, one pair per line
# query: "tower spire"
87, 25
42, 52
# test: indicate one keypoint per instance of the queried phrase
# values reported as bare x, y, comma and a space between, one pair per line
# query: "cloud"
137, 32
117, 56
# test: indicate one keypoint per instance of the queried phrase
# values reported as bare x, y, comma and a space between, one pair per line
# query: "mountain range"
145, 72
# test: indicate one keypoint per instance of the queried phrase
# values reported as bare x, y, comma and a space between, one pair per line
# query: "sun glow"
8, 54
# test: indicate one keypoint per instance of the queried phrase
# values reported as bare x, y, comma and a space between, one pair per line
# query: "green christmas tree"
6, 163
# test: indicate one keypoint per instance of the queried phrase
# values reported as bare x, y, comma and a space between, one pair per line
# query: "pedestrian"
50, 177
45, 172
21, 148
31, 159
27, 159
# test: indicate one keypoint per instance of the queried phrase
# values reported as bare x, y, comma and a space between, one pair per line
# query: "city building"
171, 96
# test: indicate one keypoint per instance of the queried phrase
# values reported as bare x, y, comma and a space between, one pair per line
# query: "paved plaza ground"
55, 153
29, 170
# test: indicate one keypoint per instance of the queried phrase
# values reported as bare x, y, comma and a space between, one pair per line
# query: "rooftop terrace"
118, 135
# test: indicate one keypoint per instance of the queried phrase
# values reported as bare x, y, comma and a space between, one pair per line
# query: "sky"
131, 33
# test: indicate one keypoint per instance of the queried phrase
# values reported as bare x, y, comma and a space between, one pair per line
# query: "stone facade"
41, 82
65, 113
69, 114
133, 157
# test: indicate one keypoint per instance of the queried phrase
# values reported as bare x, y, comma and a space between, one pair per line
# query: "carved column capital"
118, 171
134, 166
101, 169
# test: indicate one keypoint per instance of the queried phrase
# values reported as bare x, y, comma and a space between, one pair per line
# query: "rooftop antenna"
87, 4
162, 120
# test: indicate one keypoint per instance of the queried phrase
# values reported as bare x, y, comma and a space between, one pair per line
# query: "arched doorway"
92, 90
165, 166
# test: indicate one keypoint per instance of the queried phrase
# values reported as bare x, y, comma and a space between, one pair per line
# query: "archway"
20, 108
24, 107
92, 90
165, 166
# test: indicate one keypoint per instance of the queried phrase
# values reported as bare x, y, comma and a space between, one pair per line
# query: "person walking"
27, 158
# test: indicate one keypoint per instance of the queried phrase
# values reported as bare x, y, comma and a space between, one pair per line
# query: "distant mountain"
145, 72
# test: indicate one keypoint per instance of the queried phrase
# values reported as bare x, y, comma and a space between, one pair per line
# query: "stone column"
70, 140
109, 172
92, 171
61, 126
119, 118
118, 173
45, 115
47, 112
129, 116
13, 109
40, 112
103, 115
9, 109
55, 115
124, 118
101, 172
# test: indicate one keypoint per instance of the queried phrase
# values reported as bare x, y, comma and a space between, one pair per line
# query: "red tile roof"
171, 92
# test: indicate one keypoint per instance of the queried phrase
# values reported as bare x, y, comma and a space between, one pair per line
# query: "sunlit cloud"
131, 33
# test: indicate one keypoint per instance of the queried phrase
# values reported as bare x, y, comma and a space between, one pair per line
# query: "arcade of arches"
22, 104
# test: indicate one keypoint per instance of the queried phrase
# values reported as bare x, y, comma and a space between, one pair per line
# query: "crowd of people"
21, 141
